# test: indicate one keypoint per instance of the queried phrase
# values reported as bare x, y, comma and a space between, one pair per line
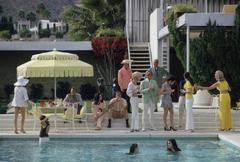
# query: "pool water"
114, 150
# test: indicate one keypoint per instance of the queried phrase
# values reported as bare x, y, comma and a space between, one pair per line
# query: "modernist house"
147, 34
147, 38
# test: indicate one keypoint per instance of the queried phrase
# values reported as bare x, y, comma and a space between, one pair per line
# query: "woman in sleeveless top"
224, 100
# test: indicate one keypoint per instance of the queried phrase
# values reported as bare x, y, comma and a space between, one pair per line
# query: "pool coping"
233, 138
229, 137
115, 134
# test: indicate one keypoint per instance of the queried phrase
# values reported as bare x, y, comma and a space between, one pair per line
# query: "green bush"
8, 89
36, 91
3, 108
5, 34
25, 33
63, 88
59, 34
87, 91
216, 49
172, 14
109, 32
44, 33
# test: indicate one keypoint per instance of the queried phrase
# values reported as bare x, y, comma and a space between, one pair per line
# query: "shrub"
5, 34
177, 10
87, 91
62, 89
25, 33
110, 32
59, 34
3, 109
8, 89
36, 91
216, 49
44, 33
110, 52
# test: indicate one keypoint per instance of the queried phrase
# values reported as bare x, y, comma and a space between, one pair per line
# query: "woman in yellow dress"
224, 100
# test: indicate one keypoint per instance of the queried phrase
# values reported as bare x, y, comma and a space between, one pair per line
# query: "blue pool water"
114, 150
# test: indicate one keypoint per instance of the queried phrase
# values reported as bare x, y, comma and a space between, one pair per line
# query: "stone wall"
11, 59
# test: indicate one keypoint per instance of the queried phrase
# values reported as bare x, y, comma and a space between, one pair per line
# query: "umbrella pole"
55, 88
55, 97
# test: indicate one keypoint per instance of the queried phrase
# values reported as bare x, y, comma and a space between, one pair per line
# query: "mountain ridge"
56, 7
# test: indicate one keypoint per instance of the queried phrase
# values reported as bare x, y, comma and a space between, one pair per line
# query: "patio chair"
36, 112
69, 116
83, 116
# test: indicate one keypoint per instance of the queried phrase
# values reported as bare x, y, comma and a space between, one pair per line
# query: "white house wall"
154, 28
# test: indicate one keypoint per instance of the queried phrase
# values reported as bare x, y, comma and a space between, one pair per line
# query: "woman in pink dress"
97, 109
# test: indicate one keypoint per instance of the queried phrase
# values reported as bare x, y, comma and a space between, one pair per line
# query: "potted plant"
177, 11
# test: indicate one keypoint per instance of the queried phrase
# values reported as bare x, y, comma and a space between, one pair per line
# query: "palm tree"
88, 16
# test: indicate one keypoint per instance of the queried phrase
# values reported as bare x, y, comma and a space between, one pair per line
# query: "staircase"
140, 54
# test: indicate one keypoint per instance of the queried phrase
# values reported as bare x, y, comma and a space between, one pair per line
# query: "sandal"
23, 131
16, 132
98, 128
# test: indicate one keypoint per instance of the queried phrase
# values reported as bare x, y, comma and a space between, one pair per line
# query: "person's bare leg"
165, 117
16, 119
126, 118
171, 117
23, 119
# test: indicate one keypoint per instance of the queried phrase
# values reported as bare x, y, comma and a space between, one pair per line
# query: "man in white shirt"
74, 98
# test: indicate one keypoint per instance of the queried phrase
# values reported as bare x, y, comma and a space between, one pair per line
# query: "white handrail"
128, 44
150, 55
126, 30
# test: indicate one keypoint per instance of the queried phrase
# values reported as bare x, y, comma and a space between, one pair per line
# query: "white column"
188, 46
206, 6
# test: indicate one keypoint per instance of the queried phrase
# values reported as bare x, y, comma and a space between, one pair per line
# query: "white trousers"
148, 110
135, 114
189, 115
181, 109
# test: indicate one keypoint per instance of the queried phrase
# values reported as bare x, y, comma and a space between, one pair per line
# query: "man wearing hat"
124, 77
20, 101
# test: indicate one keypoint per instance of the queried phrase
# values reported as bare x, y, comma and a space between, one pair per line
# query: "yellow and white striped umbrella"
55, 64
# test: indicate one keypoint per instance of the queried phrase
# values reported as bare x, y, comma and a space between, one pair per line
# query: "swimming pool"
115, 149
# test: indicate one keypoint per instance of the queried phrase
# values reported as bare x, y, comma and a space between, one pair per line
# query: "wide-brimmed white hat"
126, 61
21, 81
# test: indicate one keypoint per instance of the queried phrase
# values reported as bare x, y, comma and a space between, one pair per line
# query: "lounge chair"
71, 115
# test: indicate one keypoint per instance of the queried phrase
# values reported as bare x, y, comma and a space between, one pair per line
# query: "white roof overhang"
200, 20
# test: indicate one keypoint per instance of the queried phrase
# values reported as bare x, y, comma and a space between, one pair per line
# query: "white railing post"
150, 54
126, 29
188, 48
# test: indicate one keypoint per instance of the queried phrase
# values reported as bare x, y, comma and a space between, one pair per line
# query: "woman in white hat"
20, 101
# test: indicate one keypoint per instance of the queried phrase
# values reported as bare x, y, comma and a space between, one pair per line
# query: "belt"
223, 92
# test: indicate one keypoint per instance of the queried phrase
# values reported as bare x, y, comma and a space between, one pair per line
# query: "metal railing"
150, 55
128, 44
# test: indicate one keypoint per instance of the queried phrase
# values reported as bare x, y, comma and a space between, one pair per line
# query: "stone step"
141, 62
138, 44
140, 53
202, 121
